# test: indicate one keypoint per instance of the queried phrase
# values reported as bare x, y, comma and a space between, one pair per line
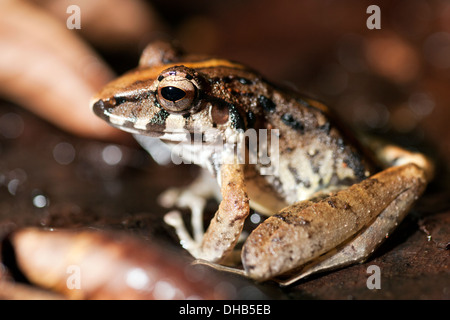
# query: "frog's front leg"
194, 198
336, 231
226, 226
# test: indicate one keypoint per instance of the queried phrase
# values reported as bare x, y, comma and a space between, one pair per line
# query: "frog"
329, 198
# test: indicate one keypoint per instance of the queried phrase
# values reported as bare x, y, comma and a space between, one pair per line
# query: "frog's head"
167, 93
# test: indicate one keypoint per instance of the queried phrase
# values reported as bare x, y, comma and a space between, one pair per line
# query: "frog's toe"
168, 198
175, 220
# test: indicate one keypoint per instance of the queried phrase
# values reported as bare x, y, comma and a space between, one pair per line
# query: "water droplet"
137, 279
255, 218
64, 153
13, 179
225, 289
421, 104
164, 290
112, 155
13, 185
40, 201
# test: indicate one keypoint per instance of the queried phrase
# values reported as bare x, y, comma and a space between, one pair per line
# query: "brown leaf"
104, 265
49, 70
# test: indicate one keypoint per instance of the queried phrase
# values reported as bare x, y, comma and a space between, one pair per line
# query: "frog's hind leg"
359, 248
339, 230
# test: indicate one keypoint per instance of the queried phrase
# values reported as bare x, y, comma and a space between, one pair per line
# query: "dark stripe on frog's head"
143, 95
143, 77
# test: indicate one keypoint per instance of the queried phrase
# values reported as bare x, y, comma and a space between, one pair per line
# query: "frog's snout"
98, 107
103, 108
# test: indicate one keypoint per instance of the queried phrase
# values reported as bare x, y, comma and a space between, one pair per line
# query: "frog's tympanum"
327, 201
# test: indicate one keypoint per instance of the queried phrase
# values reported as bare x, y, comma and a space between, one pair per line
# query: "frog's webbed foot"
361, 217
217, 243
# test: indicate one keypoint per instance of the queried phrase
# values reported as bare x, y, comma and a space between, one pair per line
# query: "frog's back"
314, 153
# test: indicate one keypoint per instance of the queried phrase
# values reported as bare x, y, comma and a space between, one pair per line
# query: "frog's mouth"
155, 127
105, 111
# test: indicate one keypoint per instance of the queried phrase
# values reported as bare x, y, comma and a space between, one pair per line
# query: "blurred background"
392, 79
62, 167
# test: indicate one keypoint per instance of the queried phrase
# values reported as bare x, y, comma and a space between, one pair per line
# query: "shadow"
9, 261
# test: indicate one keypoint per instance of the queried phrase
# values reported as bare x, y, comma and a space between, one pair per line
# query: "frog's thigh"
305, 231
365, 243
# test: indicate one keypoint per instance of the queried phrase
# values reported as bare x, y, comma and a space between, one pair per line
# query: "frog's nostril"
99, 105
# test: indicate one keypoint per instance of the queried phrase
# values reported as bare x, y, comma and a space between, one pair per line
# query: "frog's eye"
176, 93
172, 93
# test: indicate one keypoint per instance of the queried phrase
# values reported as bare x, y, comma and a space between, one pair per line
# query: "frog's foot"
194, 198
336, 231
391, 155
185, 199
175, 220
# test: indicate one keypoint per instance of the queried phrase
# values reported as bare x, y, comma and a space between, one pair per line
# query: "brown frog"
327, 205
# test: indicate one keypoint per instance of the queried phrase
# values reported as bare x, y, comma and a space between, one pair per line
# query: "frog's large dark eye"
176, 93
172, 93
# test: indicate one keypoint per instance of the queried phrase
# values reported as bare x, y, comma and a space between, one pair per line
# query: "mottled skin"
316, 157
231, 95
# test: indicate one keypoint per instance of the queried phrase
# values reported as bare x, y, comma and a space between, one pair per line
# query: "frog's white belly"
165, 152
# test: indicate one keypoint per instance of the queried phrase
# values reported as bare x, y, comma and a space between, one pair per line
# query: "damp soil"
114, 187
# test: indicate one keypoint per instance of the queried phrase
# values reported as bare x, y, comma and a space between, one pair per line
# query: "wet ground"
104, 186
